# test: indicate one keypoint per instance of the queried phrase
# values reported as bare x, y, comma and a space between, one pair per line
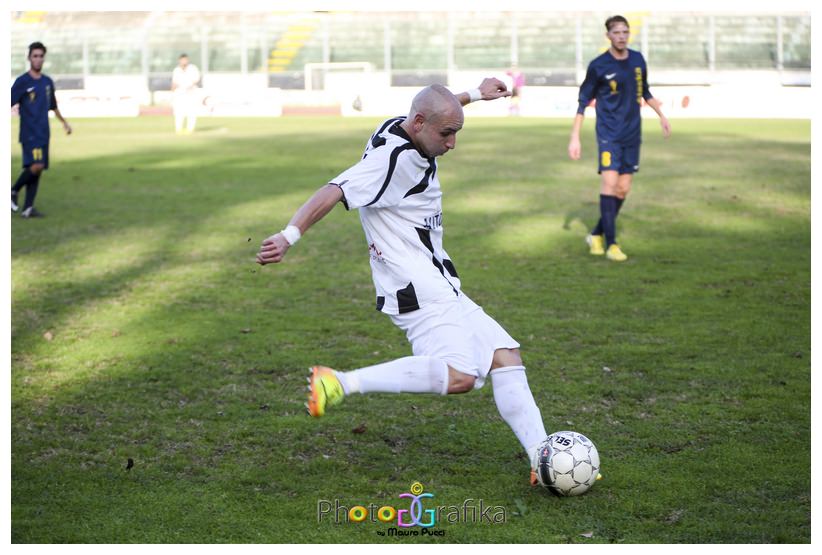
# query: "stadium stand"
551, 48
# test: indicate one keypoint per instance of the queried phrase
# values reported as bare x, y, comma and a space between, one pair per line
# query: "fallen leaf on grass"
587, 534
359, 429
245, 330
48, 336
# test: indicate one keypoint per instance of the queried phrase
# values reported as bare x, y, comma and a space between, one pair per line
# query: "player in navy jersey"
456, 346
618, 81
34, 93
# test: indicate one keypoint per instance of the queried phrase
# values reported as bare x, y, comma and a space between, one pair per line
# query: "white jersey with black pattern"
397, 192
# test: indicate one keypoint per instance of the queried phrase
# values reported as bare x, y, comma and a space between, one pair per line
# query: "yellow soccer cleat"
615, 253
596, 243
324, 390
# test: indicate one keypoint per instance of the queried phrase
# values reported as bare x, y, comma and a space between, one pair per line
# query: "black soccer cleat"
32, 212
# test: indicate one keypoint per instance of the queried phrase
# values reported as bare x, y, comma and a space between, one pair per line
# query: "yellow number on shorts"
37, 153
606, 158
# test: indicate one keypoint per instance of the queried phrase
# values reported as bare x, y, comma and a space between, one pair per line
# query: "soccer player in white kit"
455, 344
184, 80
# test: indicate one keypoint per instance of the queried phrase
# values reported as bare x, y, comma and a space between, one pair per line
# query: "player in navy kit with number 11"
34, 93
618, 80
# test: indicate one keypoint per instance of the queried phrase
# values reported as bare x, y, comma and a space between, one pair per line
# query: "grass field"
142, 329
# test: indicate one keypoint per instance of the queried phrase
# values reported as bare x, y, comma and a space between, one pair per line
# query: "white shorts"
457, 331
186, 103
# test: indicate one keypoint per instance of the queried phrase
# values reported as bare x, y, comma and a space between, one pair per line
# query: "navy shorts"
619, 157
35, 153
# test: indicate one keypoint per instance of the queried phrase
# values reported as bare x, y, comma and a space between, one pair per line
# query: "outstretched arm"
274, 248
490, 89
663, 121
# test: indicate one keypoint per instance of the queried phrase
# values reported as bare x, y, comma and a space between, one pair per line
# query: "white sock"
517, 407
404, 375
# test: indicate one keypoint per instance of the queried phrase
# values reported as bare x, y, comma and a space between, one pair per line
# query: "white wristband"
292, 234
474, 95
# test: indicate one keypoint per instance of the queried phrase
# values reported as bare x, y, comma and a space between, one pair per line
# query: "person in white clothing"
185, 98
455, 344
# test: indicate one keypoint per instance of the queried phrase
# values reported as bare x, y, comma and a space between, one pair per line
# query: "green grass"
168, 345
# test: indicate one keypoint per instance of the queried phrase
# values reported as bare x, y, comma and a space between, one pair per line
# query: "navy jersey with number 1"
619, 86
36, 98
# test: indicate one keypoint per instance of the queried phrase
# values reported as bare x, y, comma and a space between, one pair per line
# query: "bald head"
434, 119
434, 102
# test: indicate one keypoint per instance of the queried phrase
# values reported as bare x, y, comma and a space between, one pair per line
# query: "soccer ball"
567, 463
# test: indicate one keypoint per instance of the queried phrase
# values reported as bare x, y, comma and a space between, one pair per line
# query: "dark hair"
615, 19
37, 46
183, 55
